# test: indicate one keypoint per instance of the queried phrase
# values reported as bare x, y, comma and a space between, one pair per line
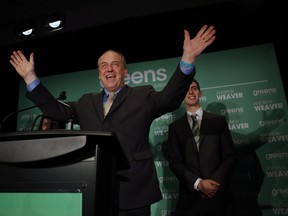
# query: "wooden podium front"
56, 161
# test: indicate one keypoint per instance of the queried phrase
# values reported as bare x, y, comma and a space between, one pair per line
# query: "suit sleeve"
173, 94
176, 157
224, 172
48, 104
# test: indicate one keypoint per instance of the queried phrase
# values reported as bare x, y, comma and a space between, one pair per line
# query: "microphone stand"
62, 96
35, 120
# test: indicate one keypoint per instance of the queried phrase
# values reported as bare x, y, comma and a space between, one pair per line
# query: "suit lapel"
204, 124
186, 128
184, 124
120, 98
190, 148
98, 104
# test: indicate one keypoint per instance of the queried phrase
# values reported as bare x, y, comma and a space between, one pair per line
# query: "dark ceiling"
81, 14
136, 27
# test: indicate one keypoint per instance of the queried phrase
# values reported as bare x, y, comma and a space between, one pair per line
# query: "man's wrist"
186, 64
186, 67
196, 184
33, 85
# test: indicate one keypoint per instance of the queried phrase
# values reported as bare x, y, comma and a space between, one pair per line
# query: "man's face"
193, 95
111, 71
45, 124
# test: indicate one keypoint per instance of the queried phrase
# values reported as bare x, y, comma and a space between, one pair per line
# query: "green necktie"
195, 129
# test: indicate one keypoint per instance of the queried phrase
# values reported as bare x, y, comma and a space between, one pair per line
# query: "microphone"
62, 96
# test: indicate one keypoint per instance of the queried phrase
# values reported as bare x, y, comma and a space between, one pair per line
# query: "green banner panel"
40, 204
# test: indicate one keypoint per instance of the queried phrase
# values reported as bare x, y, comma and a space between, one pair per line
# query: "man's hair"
119, 53
197, 83
54, 124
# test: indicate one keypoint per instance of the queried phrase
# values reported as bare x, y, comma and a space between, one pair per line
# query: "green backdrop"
245, 85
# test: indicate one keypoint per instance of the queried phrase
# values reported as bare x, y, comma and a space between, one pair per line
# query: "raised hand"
25, 68
194, 47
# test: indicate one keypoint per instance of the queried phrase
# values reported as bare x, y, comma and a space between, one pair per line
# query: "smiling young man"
202, 158
129, 116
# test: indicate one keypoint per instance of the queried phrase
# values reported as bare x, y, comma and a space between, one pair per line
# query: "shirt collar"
106, 92
199, 113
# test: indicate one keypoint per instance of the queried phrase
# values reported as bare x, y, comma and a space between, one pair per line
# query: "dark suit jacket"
130, 117
215, 159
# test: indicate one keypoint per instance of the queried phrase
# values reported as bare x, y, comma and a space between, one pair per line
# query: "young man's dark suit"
215, 160
130, 117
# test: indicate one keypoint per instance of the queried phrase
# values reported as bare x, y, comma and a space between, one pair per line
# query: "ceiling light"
54, 22
28, 32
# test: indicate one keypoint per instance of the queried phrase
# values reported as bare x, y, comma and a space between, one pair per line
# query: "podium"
57, 162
